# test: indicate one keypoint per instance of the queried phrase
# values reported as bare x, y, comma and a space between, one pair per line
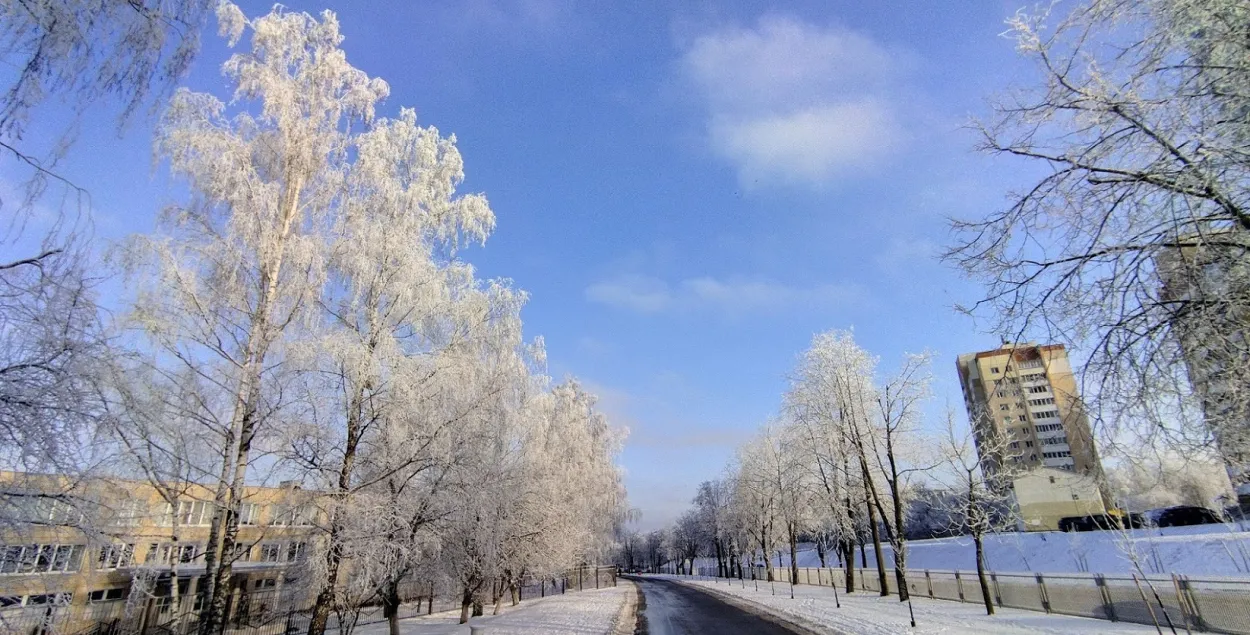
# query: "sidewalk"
869, 614
584, 613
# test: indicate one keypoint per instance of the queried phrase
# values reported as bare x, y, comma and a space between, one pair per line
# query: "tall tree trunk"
794, 553
224, 528
334, 552
985, 585
466, 602
768, 562
848, 557
390, 606
882, 579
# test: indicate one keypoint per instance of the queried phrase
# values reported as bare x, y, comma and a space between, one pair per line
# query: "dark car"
1095, 522
1182, 516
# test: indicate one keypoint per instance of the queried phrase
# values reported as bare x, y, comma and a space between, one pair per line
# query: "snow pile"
864, 614
583, 613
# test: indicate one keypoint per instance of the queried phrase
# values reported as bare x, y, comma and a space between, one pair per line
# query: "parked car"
1182, 516
1095, 522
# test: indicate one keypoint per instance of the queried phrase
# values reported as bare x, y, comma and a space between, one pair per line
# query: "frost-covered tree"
1161, 479
239, 263
1132, 243
711, 500
83, 54
981, 500
833, 388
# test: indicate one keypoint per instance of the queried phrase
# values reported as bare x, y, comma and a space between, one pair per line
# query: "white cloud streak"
649, 295
794, 103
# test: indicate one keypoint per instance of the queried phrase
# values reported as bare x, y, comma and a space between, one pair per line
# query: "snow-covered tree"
981, 500
240, 262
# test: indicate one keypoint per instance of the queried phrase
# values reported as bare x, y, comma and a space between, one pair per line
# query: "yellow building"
1027, 395
1045, 495
80, 552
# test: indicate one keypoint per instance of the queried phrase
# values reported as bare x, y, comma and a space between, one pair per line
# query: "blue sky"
689, 190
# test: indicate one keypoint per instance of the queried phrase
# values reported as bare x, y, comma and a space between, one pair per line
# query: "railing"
266, 612
1214, 605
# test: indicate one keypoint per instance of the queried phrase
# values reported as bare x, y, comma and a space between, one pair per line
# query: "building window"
297, 516
40, 558
267, 583
1032, 457
1031, 363
1045, 401
1005, 406
271, 552
993, 370
45, 510
247, 514
193, 513
1049, 427
115, 556
162, 553
296, 551
1046, 414
106, 595
1015, 445
1038, 389
1028, 444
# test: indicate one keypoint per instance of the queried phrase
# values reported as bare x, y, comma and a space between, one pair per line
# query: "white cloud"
645, 294
793, 102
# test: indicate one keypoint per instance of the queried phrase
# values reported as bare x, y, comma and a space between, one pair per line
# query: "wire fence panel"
1018, 591
1221, 606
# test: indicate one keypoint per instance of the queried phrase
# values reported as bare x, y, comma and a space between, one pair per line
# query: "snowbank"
1202, 550
584, 613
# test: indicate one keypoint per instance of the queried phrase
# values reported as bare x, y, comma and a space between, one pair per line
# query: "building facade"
1026, 395
1206, 291
74, 553
1044, 496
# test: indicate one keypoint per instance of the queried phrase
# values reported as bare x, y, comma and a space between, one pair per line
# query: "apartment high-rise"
1206, 289
1026, 395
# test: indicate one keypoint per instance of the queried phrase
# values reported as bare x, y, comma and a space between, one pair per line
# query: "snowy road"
676, 609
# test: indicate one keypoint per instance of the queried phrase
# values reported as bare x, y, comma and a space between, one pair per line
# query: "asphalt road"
671, 608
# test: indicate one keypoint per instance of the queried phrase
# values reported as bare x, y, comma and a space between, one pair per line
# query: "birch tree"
239, 263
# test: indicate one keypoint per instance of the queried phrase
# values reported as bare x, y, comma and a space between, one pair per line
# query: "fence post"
998, 595
1041, 592
1108, 605
1180, 602
928, 582
1194, 608
959, 583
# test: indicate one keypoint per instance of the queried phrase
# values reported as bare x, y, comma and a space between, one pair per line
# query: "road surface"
671, 608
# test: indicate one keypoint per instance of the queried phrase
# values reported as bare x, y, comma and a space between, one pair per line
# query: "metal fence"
265, 612
1213, 605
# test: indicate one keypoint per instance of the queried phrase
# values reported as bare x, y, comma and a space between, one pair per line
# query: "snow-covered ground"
864, 614
583, 613
1204, 550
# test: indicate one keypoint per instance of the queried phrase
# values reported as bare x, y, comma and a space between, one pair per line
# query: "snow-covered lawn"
1204, 550
863, 614
583, 613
